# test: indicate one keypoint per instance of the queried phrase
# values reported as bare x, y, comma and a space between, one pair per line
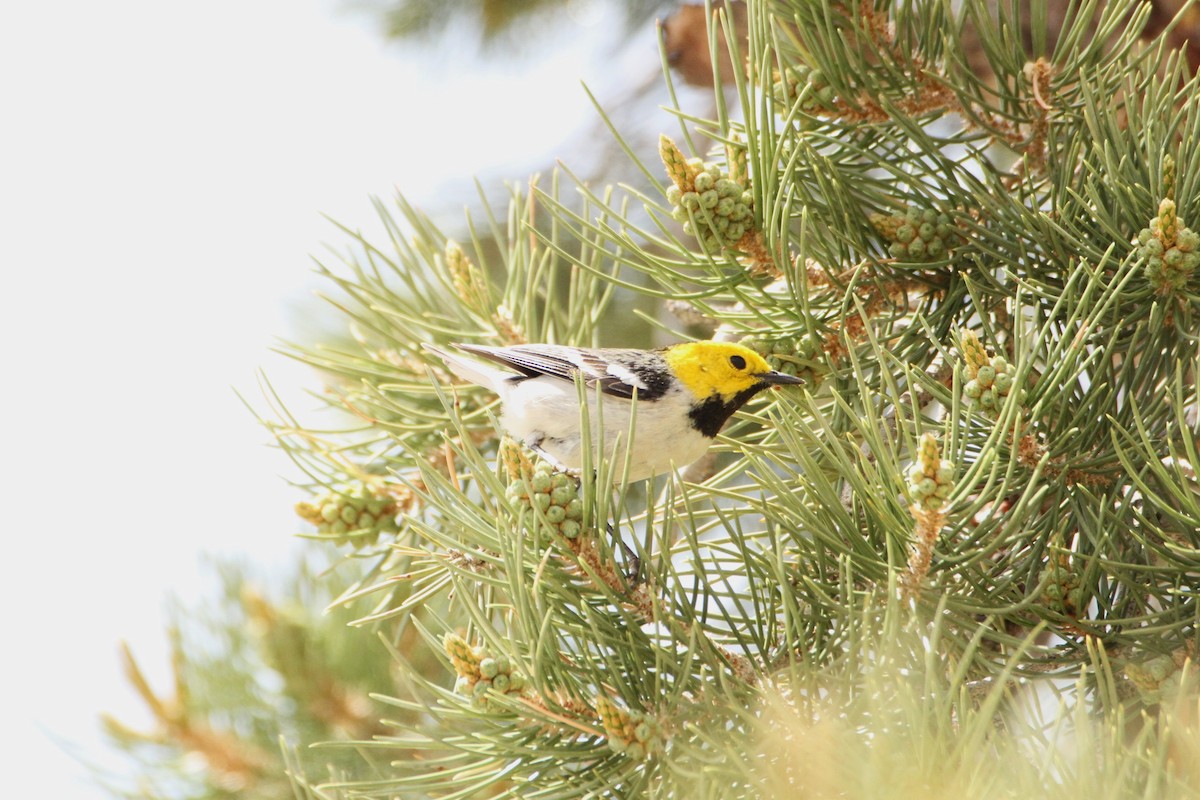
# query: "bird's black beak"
780, 379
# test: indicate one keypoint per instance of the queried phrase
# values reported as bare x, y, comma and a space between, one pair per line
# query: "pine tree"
964, 559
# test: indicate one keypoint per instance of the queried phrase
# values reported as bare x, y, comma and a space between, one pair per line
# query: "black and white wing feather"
617, 372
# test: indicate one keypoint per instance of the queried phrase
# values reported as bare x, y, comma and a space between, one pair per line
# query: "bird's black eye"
738, 362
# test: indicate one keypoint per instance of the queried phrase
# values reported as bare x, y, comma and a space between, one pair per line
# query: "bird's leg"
534, 443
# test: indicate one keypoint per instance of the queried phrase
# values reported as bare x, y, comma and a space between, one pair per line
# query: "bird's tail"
471, 369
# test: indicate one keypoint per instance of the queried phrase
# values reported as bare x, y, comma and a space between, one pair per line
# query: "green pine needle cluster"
880, 587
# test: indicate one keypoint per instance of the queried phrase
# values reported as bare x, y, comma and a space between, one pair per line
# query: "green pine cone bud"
1187, 240
574, 509
1151, 248
717, 203
994, 376
541, 481
930, 479
917, 234
633, 734
554, 494
356, 509
1169, 249
730, 189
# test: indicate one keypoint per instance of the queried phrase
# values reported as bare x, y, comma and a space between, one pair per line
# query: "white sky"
163, 169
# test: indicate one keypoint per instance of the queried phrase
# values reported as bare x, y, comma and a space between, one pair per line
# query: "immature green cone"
918, 235
355, 514
1064, 592
792, 355
554, 494
1160, 678
630, 733
991, 377
799, 83
931, 480
1170, 250
713, 205
480, 675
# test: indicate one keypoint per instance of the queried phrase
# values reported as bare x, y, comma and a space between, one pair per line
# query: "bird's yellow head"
722, 369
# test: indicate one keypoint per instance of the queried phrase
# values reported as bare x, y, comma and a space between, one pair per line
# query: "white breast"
544, 413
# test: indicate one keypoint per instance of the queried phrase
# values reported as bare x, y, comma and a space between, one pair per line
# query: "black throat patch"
711, 415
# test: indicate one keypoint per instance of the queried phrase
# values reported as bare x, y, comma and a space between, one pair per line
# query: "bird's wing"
556, 361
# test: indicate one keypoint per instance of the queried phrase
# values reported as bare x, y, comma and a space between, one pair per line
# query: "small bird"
684, 395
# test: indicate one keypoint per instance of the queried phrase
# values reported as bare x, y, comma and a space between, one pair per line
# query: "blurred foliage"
254, 680
500, 24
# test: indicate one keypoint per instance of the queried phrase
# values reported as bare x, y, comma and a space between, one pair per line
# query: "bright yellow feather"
708, 368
